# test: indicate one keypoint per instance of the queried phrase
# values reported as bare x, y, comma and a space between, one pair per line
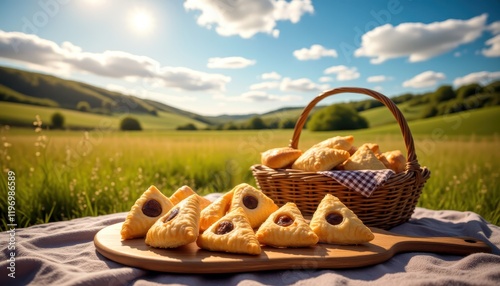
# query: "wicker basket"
389, 205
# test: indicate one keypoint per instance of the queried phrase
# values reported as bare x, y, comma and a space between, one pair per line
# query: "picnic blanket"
63, 253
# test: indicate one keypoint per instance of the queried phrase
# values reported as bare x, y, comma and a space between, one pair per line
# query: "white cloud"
325, 79
264, 96
378, 78
425, 79
114, 64
301, 84
314, 52
229, 63
247, 18
494, 50
418, 41
343, 73
265, 85
482, 77
271, 75
188, 79
494, 27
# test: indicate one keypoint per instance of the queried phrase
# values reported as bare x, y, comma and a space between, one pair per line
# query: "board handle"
448, 245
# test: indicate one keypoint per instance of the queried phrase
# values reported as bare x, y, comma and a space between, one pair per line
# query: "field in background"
63, 175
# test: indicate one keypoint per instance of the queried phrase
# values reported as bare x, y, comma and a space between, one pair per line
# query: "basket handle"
412, 163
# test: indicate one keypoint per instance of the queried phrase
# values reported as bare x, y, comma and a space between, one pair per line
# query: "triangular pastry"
256, 205
184, 192
232, 233
337, 142
178, 227
147, 209
363, 159
286, 227
320, 159
215, 210
334, 223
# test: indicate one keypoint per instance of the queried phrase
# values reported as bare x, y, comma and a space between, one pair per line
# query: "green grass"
23, 114
62, 175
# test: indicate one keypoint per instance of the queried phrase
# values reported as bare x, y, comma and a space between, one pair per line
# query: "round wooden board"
191, 259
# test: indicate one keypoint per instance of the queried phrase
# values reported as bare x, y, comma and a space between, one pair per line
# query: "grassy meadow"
62, 175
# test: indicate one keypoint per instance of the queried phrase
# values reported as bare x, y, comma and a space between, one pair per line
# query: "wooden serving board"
191, 259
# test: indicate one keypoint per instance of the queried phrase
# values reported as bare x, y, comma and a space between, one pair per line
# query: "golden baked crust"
184, 192
215, 210
394, 160
347, 228
280, 157
150, 206
286, 227
337, 142
320, 159
231, 233
256, 205
180, 226
363, 159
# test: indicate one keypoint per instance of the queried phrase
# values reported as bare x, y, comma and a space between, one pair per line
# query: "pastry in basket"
281, 157
363, 159
215, 210
231, 233
394, 160
184, 192
286, 227
334, 223
147, 209
320, 159
337, 142
180, 226
256, 205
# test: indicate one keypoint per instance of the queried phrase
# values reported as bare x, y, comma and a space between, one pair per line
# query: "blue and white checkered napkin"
362, 181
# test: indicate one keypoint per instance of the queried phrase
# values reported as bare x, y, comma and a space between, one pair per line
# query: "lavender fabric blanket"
63, 253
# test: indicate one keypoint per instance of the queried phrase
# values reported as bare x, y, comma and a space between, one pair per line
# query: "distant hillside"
19, 86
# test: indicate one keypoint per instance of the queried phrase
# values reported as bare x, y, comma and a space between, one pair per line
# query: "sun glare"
141, 21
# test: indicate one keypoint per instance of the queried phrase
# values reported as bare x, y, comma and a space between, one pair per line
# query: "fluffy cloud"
271, 75
418, 41
264, 96
114, 64
265, 85
476, 77
425, 79
229, 63
301, 84
378, 78
343, 73
494, 50
494, 27
314, 52
247, 18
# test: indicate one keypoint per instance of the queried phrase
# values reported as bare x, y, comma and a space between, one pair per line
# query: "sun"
141, 21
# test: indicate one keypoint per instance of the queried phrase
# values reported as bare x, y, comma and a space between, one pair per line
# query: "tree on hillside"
189, 126
287, 124
443, 93
256, 123
130, 123
57, 120
83, 106
468, 90
336, 117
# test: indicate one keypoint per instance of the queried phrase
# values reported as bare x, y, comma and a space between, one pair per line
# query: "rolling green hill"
483, 121
17, 114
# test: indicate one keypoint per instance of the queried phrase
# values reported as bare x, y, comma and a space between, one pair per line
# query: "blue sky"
235, 57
